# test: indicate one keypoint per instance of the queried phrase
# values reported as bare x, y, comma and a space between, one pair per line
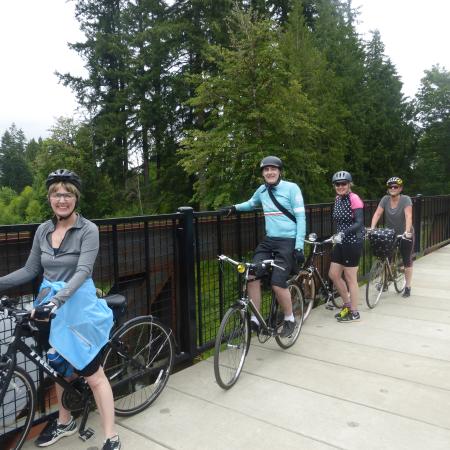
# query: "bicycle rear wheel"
297, 309
137, 362
375, 283
232, 343
398, 271
17, 409
307, 285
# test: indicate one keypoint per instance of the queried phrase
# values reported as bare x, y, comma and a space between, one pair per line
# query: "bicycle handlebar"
8, 305
329, 240
367, 232
263, 264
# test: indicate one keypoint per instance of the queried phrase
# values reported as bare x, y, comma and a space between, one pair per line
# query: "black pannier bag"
382, 242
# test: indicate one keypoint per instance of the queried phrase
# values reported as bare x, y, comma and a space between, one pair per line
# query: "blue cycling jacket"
278, 224
82, 324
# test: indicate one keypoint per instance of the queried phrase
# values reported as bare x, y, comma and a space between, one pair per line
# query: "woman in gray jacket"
65, 249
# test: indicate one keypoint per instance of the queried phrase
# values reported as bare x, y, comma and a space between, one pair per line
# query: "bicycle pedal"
86, 434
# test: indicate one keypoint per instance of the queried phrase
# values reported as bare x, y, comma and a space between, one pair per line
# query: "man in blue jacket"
285, 235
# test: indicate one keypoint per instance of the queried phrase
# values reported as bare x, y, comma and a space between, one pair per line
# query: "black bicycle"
311, 282
388, 266
233, 338
137, 360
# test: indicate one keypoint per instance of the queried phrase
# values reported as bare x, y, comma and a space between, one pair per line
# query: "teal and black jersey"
278, 225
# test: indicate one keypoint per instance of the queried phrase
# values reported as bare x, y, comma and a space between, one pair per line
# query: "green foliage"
183, 100
252, 107
432, 168
14, 170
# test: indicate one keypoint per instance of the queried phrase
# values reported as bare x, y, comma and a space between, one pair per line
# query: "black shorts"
43, 336
347, 254
282, 251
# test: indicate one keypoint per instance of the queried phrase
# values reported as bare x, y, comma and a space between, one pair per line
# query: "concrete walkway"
382, 383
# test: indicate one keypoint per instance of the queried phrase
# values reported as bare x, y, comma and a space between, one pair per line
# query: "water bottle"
58, 363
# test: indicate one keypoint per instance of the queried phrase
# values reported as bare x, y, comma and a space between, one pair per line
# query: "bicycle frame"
246, 302
9, 358
311, 267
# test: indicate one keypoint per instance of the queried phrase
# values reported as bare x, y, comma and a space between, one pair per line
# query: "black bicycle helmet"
394, 180
271, 161
65, 176
341, 176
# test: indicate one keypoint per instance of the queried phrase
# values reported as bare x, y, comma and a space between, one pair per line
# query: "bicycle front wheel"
232, 343
137, 362
398, 271
17, 409
297, 309
375, 283
307, 285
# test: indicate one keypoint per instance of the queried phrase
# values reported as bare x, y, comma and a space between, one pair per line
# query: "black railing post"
418, 222
186, 269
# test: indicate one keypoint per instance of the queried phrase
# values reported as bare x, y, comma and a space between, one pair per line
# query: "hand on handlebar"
338, 238
299, 256
407, 235
228, 210
43, 312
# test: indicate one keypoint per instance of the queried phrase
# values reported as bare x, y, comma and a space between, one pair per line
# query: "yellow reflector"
241, 268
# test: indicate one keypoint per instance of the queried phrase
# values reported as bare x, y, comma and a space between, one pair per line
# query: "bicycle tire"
231, 347
398, 271
137, 362
17, 409
375, 283
305, 281
298, 303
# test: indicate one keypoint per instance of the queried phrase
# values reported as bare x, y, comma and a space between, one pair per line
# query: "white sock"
254, 319
289, 318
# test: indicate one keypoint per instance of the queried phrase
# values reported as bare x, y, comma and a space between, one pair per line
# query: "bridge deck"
382, 383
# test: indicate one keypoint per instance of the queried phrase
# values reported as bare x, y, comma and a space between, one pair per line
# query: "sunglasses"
393, 187
340, 184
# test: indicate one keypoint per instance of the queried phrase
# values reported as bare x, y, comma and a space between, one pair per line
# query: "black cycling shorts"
347, 254
282, 251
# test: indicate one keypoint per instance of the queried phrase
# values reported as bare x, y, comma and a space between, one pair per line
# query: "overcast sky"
34, 36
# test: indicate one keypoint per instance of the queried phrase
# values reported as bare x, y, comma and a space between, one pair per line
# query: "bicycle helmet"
394, 180
341, 176
65, 176
271, 161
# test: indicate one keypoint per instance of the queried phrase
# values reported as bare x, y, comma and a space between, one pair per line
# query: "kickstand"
87, 433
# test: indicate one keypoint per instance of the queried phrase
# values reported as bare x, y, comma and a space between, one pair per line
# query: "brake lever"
277, 266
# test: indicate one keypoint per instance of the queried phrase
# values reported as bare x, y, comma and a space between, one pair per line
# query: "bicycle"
311, 282
137, 361
388, 266
233, 339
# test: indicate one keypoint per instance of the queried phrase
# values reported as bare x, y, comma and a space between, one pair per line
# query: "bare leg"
64, 415
284, 299
254, 292
335, 274
408, 276
101, 389
351, 277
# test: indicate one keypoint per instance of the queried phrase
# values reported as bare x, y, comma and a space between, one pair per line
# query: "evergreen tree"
254, 108
104, 93
14, 170
389, 136
431, 172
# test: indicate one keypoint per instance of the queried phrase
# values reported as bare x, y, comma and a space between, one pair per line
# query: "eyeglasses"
340, 184
392, 186
62, 196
